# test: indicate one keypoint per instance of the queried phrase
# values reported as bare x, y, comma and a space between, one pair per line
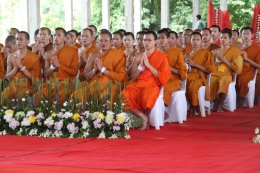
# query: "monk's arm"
74, 66
253, 63
135, 72
9, 64
89, 71
201, 68
11, 74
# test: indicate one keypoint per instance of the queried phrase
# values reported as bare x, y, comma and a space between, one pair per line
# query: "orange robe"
99, 85
197, 78
222, 77
58, 86
176, 60
143, 93
2, 67
93, 48
20, 84
248, 71
187, 49
77, 45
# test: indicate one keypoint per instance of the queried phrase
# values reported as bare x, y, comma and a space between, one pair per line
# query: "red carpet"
218, 143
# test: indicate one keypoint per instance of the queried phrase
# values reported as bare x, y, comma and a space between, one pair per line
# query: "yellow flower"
101, 116
53, 114
32, 119
120, 119
9, 112
76, 116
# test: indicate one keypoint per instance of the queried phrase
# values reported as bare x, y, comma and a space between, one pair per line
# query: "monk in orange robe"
236, 40
173, 40
206, 40
129, 53
9, 48
61, 68
117, 40
105, 67
187, 47
88, 47
176, 62
139, 45
229, 61
215, 29
150, 73
25, 69
251, 56
201, 63
74, 35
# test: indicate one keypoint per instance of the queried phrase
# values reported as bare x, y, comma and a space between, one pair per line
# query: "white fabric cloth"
177, 110
230, 101
249, 101
156, 116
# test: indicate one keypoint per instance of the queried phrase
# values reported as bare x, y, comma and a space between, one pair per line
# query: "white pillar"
129, 15
165, 12
196, 10
4, 18
33, 18
68, 6
137, 15
105, 14
86, 13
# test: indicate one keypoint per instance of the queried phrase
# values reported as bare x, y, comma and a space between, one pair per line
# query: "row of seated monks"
145, 62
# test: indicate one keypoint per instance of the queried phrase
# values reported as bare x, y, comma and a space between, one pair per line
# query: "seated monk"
105, 67
251, 56
236, 40
74, 35
206, 40
150, 72
229, 61
61, 67
10, 48
139, 45
176, 62
201, 63
25, 69
130, 53
186, 36
173, 40
88, 47
117, 40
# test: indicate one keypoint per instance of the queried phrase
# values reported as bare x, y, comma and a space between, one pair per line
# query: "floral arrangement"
256, 139
97, 117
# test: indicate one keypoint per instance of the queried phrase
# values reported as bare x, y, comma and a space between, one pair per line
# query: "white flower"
109, 117
72, 128
19, 133
49, 122
86, 114
102, 135
25, 122
68, 115
58, 125
113, 136
29, 113
19, 114
33, 132
3, 133
13, 123
85, 124
7, 118
116, 128
40, 116
257, 131
63, 110
127, 136
57, 133
60, 115
23, 99
65, 104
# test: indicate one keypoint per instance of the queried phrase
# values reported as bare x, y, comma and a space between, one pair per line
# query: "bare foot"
220, 109
145, 124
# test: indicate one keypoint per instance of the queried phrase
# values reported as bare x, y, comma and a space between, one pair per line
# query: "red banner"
211, 14
256, 20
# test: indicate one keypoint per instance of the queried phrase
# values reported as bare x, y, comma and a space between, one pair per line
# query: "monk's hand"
55, 62
82, 54
146, 61
99, 64
245, 57
19, 62
191, 62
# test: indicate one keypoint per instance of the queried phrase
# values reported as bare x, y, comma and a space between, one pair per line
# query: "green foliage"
96, 15
151, 14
